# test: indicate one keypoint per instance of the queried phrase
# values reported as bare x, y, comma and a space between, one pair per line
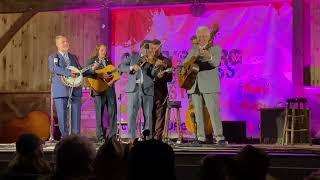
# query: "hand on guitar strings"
95, 66
204, 53
107, 76
182, 70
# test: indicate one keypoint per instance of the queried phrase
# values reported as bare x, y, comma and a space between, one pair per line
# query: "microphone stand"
69, 107
120, 118
51, 137
195, 126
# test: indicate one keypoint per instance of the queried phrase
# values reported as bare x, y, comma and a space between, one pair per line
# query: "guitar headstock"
215, 30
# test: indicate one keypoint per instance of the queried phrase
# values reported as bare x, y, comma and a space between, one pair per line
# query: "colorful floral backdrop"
256, 38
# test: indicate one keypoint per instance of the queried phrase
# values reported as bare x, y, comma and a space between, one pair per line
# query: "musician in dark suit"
140, 89
104, 99
206, 89
57, 65
160, 89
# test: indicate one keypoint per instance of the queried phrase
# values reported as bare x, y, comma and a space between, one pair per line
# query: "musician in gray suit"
140, 89
207, 85
57, 65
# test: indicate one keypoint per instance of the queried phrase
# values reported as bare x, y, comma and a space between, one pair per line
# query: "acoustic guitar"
105, 78
191, 69
190, 119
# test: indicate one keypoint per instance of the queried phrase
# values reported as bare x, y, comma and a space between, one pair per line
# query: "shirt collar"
202, 47
63, 53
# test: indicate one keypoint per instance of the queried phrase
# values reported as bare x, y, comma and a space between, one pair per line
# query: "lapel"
135, 58
72, 61
62, 62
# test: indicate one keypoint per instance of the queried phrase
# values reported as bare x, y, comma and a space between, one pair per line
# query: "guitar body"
105, 77
187, 79
207, 121
35, 122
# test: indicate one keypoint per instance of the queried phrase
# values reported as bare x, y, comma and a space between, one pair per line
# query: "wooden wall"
24, 61
24, 73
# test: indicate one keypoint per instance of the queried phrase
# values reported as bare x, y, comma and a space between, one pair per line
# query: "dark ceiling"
18, 6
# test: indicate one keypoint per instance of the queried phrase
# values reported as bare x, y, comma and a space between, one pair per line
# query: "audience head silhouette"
253, 163
74, 157
218, 168
112, 161
151, 158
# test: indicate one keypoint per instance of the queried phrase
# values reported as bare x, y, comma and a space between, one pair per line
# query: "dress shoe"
222, 142
100, 141
131, 141
200, 142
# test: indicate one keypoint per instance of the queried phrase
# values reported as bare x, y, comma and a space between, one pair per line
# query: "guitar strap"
76, 61
204, 66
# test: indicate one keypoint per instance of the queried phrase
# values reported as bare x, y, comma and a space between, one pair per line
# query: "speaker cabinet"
235, 131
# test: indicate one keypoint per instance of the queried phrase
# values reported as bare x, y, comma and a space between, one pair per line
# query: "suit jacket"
208, 81
160, 85
59, 68
92, 74
148, 71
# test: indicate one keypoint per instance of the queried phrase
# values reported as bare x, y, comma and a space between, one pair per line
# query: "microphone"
145, 133
55, 61
146, 46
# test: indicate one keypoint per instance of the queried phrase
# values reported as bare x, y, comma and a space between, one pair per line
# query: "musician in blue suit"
57, 65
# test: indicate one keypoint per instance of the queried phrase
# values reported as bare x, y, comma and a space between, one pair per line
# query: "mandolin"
191, 69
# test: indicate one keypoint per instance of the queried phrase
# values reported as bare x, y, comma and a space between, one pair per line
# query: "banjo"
77, 81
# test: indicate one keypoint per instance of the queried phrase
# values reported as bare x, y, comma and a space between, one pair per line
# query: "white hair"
204, 29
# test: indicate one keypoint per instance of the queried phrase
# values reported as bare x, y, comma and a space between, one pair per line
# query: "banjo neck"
86, 68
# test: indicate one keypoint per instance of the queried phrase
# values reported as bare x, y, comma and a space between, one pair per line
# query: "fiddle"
142, 61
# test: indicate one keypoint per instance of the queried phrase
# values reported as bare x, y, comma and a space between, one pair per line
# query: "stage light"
197, 8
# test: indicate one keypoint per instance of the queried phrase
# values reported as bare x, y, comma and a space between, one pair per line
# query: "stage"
287, 162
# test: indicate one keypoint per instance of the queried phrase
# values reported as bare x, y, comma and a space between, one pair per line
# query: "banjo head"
70, 81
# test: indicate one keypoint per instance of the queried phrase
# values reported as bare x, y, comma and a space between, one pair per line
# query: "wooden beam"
22, 20
105, 28
20, 6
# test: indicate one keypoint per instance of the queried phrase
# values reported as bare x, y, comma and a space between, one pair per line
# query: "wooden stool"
119, 129
296, 112
172, 105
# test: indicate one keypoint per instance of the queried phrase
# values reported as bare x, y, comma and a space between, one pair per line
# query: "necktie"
66, 59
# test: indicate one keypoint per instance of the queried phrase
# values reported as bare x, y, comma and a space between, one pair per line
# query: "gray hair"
203, 29
59, 37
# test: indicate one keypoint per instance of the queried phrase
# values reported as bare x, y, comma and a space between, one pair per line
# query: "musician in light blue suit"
57, 65
140, 89
206, 88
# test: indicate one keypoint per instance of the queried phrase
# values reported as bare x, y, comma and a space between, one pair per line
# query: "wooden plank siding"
24, 60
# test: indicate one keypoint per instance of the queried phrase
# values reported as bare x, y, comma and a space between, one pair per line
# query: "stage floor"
188, 147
